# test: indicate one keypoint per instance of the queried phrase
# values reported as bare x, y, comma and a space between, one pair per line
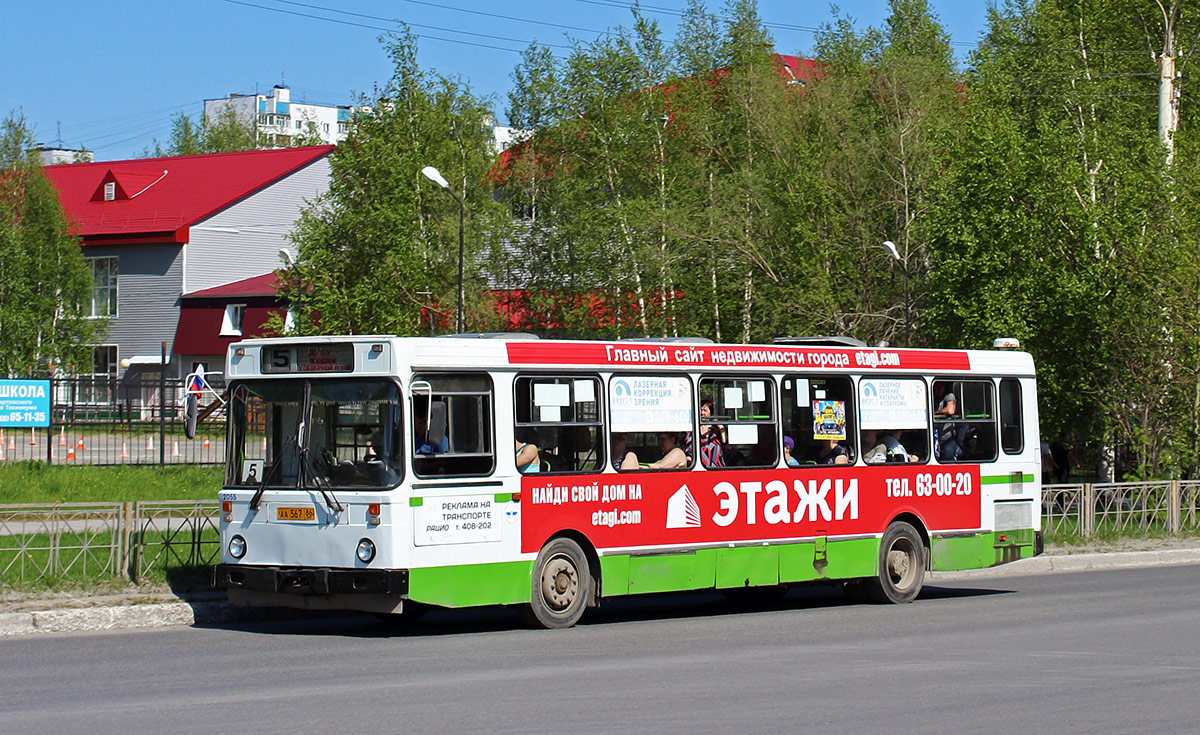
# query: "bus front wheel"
901, 565
562, 585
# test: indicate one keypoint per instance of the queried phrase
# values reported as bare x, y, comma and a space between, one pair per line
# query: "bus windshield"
349, 429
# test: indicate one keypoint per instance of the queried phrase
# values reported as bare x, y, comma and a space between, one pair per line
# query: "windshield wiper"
307, 462
262, 486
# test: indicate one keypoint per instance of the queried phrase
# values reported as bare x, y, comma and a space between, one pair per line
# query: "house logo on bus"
772, 502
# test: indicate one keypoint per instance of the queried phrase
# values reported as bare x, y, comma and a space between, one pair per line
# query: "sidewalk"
156, 609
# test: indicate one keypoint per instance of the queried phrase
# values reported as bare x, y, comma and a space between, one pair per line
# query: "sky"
110, 76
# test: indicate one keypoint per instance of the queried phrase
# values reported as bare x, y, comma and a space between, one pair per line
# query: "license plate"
295, 514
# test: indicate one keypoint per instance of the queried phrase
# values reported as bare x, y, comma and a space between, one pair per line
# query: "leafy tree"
381, 247
45, 283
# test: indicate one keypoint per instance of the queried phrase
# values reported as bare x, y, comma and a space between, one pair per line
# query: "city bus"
392, 475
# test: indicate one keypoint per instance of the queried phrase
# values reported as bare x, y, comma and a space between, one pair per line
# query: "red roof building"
160, 231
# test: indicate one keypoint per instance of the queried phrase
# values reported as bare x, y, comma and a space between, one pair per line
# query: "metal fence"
83, 542
104, 421
1113, 509
76, 542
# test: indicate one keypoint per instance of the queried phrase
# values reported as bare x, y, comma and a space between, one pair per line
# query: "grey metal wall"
243, 240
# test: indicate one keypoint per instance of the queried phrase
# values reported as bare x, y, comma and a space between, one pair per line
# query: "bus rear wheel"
901, 565
562, 586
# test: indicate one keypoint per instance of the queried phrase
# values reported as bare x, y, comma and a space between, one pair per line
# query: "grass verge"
37, 482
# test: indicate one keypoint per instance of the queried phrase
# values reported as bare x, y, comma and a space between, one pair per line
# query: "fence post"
50, 424
126, 533
1088, 510
1173, 505
162, 407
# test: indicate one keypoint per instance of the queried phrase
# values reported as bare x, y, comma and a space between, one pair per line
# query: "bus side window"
1011, 435
651, 421
737, 422
818, 416
559, 415
893, 419
462, 404
969, 434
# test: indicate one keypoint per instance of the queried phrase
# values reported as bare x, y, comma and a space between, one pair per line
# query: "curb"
1053, 563
161, 614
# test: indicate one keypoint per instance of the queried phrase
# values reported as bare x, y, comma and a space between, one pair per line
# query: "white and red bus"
381, 474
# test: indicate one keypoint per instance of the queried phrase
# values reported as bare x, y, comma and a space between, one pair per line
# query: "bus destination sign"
323, 358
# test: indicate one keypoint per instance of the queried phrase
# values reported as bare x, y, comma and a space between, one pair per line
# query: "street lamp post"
286, 256
891, 248
436, 177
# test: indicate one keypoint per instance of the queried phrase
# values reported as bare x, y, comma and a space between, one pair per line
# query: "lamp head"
286, 256
891, 246
435, 176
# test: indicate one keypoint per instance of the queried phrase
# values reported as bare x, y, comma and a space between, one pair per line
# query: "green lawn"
37, 482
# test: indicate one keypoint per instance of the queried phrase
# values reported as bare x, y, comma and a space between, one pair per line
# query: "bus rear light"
373, 514
516, 497
365, 550
226, 507
1003, 537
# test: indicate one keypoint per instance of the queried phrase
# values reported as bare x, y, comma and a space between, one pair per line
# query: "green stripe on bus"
503, 497
1004, 479
415, 502
508, 583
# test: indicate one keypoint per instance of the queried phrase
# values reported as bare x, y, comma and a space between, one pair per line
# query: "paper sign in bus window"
585, 391
892, 403
802, 392
733, 398
550, 414
252, 471
758, 391
644, 403
829, 419
551, 394
743, 434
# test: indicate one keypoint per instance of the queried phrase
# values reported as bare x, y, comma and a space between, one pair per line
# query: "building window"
104, 287
325, 127
98, 386
299, 124
231, 325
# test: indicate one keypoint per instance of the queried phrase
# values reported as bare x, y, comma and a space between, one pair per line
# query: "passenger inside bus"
528, 460
672, 456
622, 458
884, 448
835, 453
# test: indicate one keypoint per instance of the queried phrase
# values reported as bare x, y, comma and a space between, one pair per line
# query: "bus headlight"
237, 547
366, 550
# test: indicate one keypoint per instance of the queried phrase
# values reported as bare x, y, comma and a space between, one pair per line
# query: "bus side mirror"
435, 433
190, 409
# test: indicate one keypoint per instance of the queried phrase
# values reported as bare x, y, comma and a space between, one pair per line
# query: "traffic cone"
149, 443
32, 437
70, 452
80, 446
264, 446
124, 452
206, 446
175, 449
62, 436
12, 444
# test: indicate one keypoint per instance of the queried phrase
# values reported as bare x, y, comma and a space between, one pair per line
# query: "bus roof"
500, 351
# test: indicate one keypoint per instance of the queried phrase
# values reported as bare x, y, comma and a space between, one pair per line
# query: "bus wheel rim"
560, 583
901, 567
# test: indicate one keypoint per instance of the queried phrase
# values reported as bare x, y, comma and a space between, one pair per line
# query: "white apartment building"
278, 119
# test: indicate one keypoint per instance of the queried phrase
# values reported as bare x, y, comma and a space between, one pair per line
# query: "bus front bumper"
310, 580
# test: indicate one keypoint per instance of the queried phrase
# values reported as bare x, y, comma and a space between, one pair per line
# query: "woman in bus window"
673, 457
528, 460
622, 458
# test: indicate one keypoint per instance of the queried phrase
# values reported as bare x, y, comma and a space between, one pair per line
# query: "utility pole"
1168, 98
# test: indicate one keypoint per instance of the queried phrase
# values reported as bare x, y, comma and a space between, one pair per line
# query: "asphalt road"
1107, 651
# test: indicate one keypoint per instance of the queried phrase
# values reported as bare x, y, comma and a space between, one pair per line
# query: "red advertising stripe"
766, 357
695, 508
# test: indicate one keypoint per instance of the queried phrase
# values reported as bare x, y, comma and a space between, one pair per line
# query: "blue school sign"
24, 403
